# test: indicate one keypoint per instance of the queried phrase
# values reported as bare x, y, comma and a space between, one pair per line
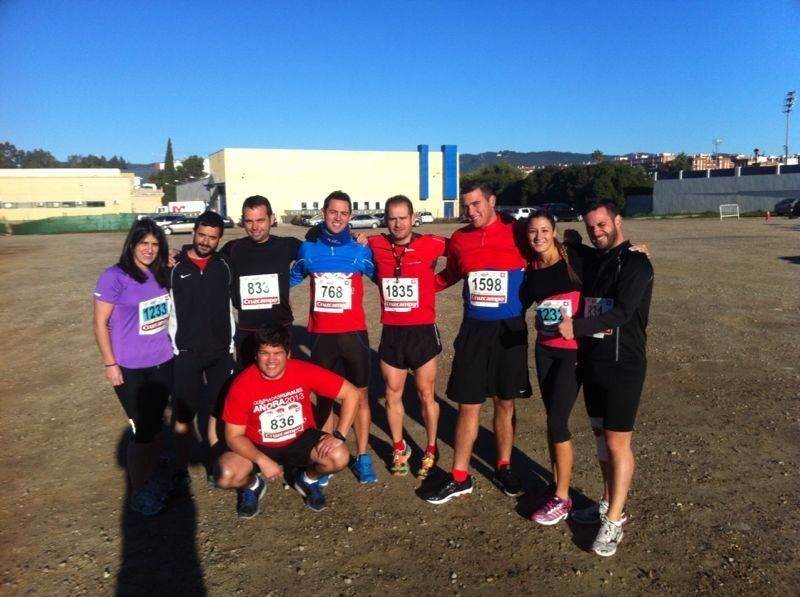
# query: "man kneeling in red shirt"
269, 424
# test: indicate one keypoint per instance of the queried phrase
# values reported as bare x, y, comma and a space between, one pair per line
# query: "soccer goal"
729, 210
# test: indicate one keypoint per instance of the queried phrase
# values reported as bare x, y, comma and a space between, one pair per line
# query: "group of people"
216, 324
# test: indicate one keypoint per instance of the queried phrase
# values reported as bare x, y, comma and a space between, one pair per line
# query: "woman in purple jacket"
131, 313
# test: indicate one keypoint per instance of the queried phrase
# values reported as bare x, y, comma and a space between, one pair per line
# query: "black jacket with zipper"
625, 277
202, 315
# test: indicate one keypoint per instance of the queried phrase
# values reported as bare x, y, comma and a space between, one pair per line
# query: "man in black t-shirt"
260, 265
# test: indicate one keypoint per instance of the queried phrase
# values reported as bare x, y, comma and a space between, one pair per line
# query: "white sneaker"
608, 537
594, 513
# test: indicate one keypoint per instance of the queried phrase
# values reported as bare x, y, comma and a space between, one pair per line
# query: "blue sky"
121, 77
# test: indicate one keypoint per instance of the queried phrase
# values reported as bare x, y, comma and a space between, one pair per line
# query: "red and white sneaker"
552, 511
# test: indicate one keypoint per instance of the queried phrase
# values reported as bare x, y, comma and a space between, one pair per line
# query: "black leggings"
556, 370
144, 394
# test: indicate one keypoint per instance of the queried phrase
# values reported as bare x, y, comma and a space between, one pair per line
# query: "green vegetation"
575, 185
13, 157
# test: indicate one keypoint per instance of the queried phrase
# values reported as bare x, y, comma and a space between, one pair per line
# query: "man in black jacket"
201, 328
617, 287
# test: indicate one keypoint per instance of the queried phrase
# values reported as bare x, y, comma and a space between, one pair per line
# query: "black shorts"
409, 346
612, 391
144, 394
197, 376
298, 453
491, 359
346, 353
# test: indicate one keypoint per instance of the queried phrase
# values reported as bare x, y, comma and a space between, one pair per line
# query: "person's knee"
619, 443
228, 476
505, 407
559, 432
339, 458
600, 439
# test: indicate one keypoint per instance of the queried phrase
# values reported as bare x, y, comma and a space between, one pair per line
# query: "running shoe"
362, 468
400, 458
608, 538
507, 481
312, 492
594, 513
247, 500
147, 500
428, 461
450, 489
552, 511
325, 479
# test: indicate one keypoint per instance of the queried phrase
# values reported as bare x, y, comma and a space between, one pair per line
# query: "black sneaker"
247, 500
508, 482
449, 489
312, 492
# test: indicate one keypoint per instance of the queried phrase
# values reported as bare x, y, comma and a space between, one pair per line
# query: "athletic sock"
254, 486
459, 476
431, 449
401, 445
308, 479
502, 463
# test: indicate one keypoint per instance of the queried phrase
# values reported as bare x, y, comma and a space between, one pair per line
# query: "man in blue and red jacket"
337, 267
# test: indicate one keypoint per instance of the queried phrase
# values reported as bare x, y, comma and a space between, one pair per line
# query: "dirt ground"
715, 500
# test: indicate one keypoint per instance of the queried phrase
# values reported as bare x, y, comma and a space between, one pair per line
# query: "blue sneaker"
148, 500
247, 500
362, 468
325, 479
312, 492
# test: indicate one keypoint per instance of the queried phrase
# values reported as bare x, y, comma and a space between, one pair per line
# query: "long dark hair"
127, 264
562, 250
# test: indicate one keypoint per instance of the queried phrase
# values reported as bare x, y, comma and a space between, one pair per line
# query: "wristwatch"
337, 434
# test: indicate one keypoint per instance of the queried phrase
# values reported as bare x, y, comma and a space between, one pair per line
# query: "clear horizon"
79, 78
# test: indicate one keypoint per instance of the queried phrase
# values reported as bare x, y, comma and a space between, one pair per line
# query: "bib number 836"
281, 423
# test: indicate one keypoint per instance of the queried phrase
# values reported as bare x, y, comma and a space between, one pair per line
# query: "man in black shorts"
270, 425
612, 361
201, 328
404, 265
260, 264
491, 349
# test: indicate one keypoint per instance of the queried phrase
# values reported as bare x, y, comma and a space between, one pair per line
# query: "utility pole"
788, 105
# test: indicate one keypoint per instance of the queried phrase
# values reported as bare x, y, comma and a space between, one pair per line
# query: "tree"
39, 158
10, 156
191, 169
679, 162
169, 176
597, 156
504, 178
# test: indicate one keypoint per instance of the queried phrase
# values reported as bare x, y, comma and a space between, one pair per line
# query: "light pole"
788, 105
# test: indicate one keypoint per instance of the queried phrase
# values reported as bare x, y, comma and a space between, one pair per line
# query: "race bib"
153, 315
333, 293
594, 307
487, 288
400, 294
281, 423
548, 315
259, 292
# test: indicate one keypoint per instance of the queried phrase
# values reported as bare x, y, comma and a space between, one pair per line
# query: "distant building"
297, 180
650, 162
706, 161
37, 193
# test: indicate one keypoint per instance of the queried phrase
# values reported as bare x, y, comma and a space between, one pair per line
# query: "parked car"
365, 221
312, 220
562, 212
425, 217
417, 220
176, 224
784, 207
